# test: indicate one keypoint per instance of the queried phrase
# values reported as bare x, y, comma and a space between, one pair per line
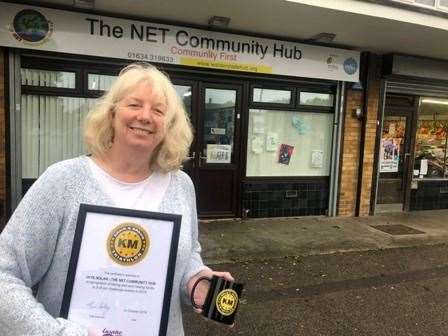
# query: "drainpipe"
366, 59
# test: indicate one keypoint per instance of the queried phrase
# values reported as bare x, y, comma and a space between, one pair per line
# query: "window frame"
256, 104
437, 7
50, 90
94, 71
316, 108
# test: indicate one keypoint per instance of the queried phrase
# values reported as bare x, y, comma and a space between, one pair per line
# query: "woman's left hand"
202, 288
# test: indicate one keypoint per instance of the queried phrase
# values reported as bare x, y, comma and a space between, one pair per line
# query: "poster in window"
285, 154
390, 155
391, 140
299, 123
219, 153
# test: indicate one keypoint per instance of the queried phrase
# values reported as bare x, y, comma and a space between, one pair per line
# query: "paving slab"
237, 240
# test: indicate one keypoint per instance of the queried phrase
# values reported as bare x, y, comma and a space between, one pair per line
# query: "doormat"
397, 229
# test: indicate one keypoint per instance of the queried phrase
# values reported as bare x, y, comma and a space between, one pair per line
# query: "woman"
138, 136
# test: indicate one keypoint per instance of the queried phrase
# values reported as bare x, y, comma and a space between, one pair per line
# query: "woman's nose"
145, 114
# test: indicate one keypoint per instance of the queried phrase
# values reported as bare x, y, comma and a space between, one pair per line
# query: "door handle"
192, 158
200, 159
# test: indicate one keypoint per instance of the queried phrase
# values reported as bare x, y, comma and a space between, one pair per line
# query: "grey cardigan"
36, 244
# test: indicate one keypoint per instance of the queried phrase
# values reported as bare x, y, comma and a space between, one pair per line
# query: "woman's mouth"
141, 131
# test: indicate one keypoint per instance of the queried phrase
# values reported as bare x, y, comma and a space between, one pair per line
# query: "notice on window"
423, 167
389, 155
317, 158
219, 131
257, 144
272, 141
219, 153
259, 125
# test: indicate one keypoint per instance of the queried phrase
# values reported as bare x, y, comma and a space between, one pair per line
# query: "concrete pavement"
237, 240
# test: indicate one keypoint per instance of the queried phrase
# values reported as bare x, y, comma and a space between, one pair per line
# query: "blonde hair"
98, 126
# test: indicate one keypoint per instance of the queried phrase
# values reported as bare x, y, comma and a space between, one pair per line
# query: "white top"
143, 195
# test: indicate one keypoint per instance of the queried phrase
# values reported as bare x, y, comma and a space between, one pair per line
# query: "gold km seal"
128, 244
227, 301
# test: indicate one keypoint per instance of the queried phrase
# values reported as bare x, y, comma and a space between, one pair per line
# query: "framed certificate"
121, 271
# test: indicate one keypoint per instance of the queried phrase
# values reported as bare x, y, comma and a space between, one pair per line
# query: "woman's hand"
94, 332
201, 290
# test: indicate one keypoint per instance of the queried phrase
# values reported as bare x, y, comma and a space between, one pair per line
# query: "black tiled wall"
269, 199
430, 195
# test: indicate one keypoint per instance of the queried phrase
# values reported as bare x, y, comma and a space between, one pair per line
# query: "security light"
219, 21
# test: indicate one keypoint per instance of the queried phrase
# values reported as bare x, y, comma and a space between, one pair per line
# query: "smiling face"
139, 120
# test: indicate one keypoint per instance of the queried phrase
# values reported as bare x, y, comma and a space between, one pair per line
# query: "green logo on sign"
30, 26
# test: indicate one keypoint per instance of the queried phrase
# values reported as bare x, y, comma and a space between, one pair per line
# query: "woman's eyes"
158, 110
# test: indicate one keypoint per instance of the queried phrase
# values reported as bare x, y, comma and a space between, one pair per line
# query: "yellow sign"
198, 62
227, 301
128, 244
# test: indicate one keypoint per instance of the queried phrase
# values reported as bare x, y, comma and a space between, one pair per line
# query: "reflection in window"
46, 78
316, 99
219, 121
271, 96
431, 139
98, 82
184, 92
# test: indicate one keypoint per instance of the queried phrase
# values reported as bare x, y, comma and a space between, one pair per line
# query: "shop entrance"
395, 153
215, 110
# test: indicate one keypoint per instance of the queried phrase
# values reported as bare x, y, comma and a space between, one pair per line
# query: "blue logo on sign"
350, 66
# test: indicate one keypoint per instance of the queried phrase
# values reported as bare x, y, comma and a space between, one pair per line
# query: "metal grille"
419, 89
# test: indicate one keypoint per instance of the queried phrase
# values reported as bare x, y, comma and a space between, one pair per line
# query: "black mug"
222, 299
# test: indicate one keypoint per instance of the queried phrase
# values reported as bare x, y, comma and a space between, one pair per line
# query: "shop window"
431, 139
51, 131
184, 92
316, 99
47, 78
286, 143
272, 96
443, 5
426, 2
98, 82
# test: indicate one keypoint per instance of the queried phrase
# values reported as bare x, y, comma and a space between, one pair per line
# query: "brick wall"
2, 137
352, 142
373, 94
350, 154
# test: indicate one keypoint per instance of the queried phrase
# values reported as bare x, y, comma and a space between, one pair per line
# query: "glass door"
395, 154
213, 166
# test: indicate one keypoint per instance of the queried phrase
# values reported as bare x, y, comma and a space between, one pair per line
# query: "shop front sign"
55, 30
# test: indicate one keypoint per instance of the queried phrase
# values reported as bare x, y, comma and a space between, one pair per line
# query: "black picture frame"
78, 237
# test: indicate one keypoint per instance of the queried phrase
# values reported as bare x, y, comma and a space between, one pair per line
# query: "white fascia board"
379, 11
